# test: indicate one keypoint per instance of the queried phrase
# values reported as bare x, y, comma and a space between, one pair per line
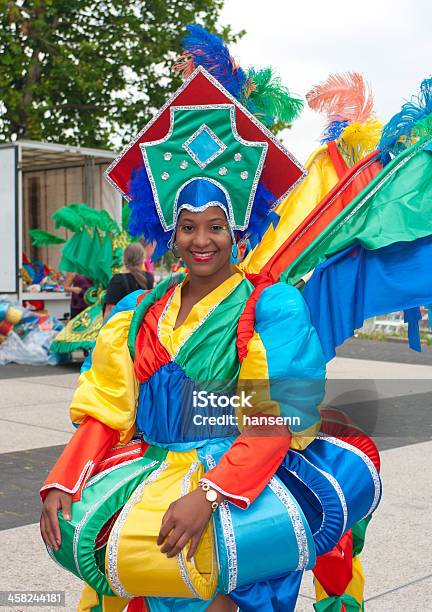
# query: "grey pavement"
396, 397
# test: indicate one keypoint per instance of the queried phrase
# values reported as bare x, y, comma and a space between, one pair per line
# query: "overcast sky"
388, 41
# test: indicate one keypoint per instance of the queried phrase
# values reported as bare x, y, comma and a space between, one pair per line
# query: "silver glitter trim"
214, 182
334, 483
228, 536
296, 520
369, 463
131, 452
323, 522
237, 104
113, 542
226, 493
218, 141
185, 486
101, 475
56, 485
93, 508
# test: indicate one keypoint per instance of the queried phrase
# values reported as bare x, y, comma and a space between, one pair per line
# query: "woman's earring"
234, 252
175, 251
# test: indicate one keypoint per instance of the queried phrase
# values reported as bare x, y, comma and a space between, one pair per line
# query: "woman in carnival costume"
149, 466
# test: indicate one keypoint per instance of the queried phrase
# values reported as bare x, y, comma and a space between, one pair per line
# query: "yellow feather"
359, 139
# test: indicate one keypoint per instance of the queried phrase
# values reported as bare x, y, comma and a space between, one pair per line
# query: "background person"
133, 279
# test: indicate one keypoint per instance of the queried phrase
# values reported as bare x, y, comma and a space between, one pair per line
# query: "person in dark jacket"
133, 279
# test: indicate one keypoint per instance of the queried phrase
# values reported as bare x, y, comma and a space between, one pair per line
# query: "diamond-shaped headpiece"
207, 135
204, 146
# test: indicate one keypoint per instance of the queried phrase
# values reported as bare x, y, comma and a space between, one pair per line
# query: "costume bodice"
172, 366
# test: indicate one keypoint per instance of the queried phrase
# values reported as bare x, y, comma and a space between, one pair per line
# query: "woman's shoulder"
280, 300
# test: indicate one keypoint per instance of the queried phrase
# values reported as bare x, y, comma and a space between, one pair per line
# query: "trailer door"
8, 220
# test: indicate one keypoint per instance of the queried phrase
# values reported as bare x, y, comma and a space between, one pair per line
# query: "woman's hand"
185, 520
49, 525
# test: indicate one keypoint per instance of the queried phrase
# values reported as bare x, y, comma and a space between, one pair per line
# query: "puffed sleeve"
104, 407
284, 373
108, 391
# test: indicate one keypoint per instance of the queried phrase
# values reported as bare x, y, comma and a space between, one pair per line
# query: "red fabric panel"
337, 159
150, 354
279, 171
246, 324
89, 444
251, 462
327, 210
334, 569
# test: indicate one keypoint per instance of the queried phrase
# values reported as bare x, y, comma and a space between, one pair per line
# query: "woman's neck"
200, 286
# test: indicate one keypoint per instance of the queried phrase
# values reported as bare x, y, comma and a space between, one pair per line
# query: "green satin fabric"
219, 361
99, 502
395, 206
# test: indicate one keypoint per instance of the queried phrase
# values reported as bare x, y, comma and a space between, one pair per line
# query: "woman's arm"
104, 407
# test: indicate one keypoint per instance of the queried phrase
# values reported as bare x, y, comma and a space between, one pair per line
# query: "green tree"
90, 71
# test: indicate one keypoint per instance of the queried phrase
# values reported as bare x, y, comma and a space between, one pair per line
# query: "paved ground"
393, 399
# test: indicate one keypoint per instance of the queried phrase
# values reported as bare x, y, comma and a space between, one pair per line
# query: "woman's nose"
201, 237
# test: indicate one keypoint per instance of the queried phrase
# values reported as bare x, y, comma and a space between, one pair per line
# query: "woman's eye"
217, 228
187, 228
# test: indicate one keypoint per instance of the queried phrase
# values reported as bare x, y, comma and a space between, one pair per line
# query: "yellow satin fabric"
173, 339
142, 568
254, 379
355, 587
321, 178
108, 391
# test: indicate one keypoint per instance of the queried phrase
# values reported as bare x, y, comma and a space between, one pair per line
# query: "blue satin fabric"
165, 414
296, 366
344, 480
357, 284
277, 595
282, 543
200, 192
176, 604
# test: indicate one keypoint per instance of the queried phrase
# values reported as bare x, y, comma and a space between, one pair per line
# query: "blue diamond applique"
204, 146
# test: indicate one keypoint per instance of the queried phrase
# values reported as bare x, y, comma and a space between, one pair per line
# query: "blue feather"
210, 52
333, 130
144, 220
403, 122
260, 218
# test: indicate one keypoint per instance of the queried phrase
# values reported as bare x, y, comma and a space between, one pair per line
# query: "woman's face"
204, 241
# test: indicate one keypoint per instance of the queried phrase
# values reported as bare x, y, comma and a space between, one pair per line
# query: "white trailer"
36, 179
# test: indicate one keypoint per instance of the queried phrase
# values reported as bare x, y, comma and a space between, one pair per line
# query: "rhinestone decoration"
237, 157
164, 176
184, 165
244, 174
167, 156
223, 171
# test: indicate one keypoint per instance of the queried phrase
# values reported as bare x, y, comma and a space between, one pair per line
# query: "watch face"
211, 496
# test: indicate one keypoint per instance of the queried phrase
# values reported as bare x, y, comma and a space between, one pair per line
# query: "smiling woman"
142, 477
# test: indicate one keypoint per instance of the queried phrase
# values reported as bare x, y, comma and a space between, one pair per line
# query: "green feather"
271, 101
42, 238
